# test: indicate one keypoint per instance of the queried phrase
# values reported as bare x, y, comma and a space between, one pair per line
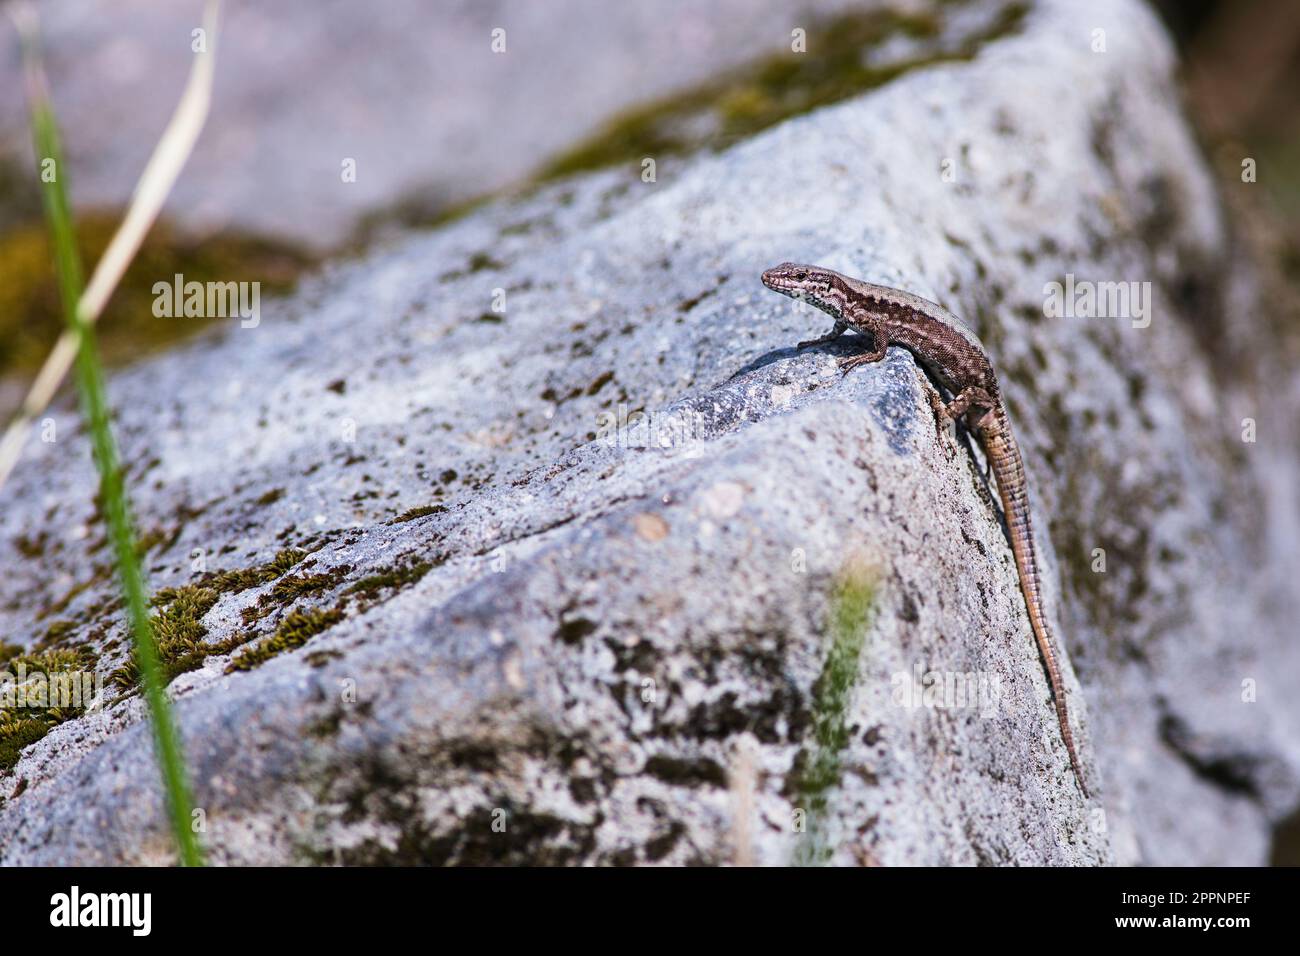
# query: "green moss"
57, 661
1113, 600
271, 497
478, 262
156, 538
22, 726
232, 582
30, 317
817, 767
294, 631
327, 726
181, 619
127, 677
395, 576
295, 586
521, 228
410, 212
235, 581
17, 733
773, 88
419, 513
58, 631
178, 630
289, 589
255, 612
321, 658
178, 627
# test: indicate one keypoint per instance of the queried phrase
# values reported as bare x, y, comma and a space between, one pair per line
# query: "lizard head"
815, 285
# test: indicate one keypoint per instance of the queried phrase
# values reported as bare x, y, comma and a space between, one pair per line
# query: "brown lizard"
958, 362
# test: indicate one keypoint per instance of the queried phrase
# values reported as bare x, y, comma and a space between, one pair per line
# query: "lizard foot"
853, 361
941, 420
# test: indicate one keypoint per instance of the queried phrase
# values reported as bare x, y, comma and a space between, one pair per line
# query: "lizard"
955, 358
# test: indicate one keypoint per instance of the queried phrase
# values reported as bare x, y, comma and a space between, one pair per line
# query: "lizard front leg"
838, 329
872, 326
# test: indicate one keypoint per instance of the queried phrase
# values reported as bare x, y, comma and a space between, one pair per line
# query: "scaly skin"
959, 363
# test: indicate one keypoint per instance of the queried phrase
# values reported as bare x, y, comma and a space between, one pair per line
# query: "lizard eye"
800, 276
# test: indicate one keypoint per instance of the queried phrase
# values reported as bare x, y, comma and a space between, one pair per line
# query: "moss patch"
17, 733
232, 582
294, 586
291, 587
479, 262
418, 513
178, 630
40, 691
300, 626
294, 631
30, 316
178, 627
773, 88
394, 576
57, 632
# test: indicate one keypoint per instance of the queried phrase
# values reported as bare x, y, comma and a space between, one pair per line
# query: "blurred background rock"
433, 124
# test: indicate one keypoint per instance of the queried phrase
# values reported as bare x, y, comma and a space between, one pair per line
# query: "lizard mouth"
776, 282
788, 278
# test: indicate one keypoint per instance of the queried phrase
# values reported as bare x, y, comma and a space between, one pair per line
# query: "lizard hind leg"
972, 397
940, 412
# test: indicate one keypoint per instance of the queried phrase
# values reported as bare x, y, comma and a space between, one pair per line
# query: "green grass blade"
819, 766
90, 382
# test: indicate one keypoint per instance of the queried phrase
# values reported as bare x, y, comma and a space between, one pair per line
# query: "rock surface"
632, 637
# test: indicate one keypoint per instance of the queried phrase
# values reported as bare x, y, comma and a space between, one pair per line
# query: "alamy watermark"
208, 300
1086, 299
133, 911
40, 690
947, 690
639, 429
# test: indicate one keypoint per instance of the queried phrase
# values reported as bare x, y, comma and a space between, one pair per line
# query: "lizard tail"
1009, 469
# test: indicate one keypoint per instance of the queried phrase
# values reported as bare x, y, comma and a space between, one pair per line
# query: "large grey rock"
634, 647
